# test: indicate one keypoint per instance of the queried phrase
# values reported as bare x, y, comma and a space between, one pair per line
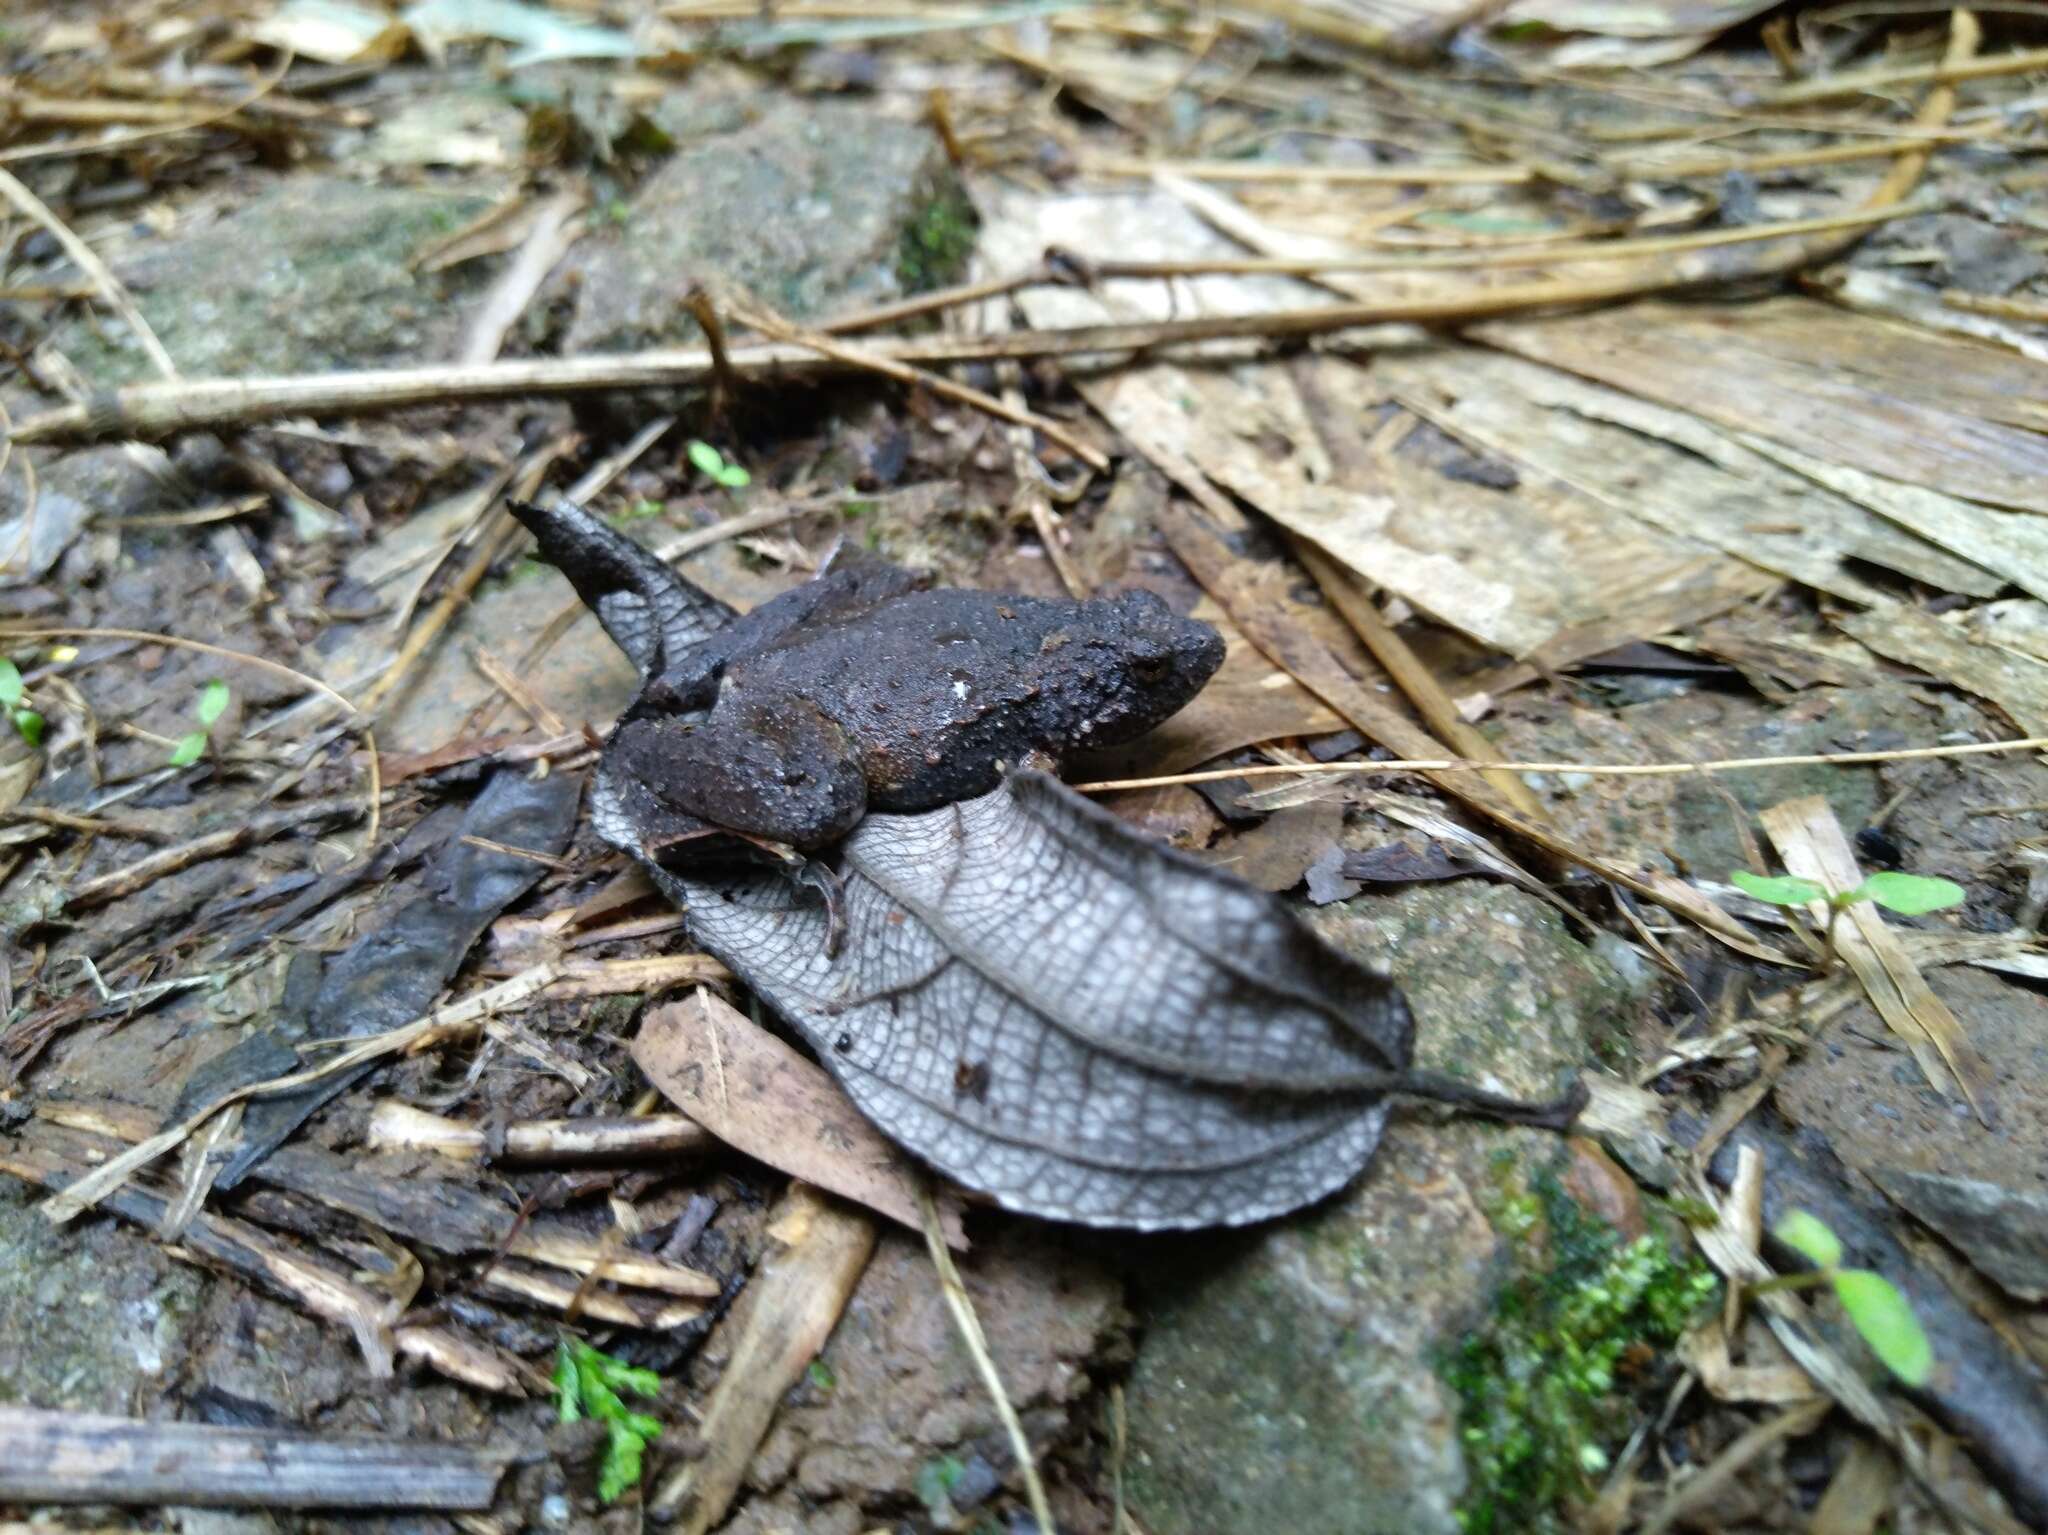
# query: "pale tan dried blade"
1320, 670
2017, 683
757, 1094
1671, 469
1810, 841
1908, 405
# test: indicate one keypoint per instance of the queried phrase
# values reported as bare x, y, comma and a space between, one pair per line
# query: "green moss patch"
1542, 1399
937, 242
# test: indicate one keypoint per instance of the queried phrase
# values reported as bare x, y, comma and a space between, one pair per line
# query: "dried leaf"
1043, 1004
755, 1093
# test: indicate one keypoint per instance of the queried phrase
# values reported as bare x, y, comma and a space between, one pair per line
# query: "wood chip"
818, 1250
74, 1457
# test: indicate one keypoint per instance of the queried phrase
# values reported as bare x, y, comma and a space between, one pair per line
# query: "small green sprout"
28, 724
1873, 1304
714, 467
213, 702
1910, 895
588, 1384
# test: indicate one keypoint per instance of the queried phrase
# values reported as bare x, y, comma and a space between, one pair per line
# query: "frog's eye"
1151, 662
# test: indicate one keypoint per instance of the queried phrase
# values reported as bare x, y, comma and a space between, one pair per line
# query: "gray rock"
813, 206
2002, 1231
106, 483
314, 275
1286, 1379
1885, 1120
894, 1408
92, 1317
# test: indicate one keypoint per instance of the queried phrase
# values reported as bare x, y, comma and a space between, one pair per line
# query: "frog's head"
1126, 664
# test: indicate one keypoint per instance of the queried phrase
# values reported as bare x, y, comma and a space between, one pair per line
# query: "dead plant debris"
1610, 442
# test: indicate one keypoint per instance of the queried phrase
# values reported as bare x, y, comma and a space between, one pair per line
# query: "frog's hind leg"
651, 612
776, 770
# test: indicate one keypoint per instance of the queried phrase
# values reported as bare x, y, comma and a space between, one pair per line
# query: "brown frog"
859, 691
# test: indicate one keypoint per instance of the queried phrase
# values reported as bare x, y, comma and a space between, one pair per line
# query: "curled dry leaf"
1033, 998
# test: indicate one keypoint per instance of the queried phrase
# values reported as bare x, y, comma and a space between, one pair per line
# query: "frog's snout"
1202, 647
1167, 658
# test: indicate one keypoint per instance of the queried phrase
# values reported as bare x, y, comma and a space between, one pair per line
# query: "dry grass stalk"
1592, 769
110, 287
961, 1304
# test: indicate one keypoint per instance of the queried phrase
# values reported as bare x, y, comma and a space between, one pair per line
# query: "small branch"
1517, 255
873, 361
1313, 175
395, 1125
126, 880
464, 1017
937, 300
92, 825
1888, 77
73, 1457
155, 410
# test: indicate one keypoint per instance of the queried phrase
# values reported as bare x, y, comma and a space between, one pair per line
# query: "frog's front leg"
774, 769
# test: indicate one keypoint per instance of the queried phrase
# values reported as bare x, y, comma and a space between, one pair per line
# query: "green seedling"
28, 724
588, 1384
714, 467
213, 702
1872, 1303
1910, 895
